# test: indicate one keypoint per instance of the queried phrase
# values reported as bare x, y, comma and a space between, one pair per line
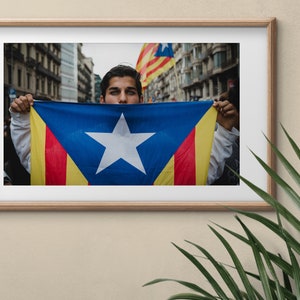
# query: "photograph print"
176, 121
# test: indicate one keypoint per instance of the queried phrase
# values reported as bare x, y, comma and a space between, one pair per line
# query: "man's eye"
131, 92
114, 92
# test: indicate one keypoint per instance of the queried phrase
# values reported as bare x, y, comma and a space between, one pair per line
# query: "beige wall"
110, 255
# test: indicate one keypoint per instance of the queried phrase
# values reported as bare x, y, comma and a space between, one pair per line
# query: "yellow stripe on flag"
159, 71
203, 141
74, 176
38, 129
166, 177
144, 58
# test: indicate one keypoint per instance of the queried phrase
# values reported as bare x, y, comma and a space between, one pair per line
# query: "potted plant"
276, 277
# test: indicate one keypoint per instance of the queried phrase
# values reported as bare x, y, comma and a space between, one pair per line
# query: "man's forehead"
122, 81
115, 87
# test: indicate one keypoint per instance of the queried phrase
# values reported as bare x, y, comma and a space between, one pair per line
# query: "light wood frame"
268, 24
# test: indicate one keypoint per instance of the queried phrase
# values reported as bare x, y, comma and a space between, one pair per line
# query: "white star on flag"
120, 144
163, 46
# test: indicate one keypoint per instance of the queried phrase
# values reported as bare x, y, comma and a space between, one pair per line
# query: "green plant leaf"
283, 265
258, 249
217, 288
276, 228
289, 167
293, 220
229, 281
287, 282
296, 272
292, 142
287, 188
189, 285
238, 265
187, 296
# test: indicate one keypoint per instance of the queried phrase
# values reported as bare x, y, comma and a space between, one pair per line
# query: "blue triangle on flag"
165, 50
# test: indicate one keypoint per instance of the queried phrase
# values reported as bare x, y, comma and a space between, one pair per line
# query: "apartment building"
201, 71
31, 68
85, 84
69, 72
48, 71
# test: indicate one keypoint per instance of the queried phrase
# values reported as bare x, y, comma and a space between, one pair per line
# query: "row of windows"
43, 84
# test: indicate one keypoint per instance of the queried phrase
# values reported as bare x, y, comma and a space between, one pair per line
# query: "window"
19, 77
10, 74
28, 81
43, 85
37, 84
219, 59
49, 87
28, 47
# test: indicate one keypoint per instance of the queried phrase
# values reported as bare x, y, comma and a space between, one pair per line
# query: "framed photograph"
63, 64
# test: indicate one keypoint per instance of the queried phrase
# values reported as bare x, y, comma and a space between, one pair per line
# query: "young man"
122, 85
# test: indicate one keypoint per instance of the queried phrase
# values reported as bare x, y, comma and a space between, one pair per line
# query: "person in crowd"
232, 163
122, 85
14, 172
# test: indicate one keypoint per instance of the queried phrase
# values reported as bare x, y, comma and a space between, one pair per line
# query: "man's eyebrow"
127, 88
131, 88
116, 87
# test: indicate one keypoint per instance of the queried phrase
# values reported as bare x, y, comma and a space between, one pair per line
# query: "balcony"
41, 47
226, 65
52, 55
186, 82
30, 62
46, 72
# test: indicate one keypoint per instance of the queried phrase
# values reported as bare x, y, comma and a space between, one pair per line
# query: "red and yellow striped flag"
154, 59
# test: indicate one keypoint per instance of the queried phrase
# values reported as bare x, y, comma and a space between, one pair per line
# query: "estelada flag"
137, 144
154, 59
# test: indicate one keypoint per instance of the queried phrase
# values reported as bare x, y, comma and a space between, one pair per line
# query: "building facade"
69, 72
201, 71
85, 82
47, 71
97, 80
31, 68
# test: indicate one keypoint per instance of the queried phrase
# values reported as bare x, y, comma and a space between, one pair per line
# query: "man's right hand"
22, 104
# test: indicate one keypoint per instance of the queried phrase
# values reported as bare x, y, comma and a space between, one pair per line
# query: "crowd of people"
122, 85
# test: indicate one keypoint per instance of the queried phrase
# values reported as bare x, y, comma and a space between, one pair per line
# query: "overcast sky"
106, 55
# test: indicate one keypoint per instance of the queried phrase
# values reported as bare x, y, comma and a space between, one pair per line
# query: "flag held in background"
154, 59
143, 144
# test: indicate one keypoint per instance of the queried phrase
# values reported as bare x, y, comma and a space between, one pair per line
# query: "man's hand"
228, 115
22, 104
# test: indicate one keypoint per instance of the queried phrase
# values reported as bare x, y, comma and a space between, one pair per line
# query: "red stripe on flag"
143, 68
146, 49
184, 162
55, 160
161, 65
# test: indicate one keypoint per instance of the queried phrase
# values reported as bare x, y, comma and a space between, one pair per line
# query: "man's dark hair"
121, 71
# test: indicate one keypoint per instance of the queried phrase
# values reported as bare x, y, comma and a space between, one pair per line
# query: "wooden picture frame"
258, 47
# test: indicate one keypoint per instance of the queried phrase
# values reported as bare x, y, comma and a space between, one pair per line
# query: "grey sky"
107, 55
